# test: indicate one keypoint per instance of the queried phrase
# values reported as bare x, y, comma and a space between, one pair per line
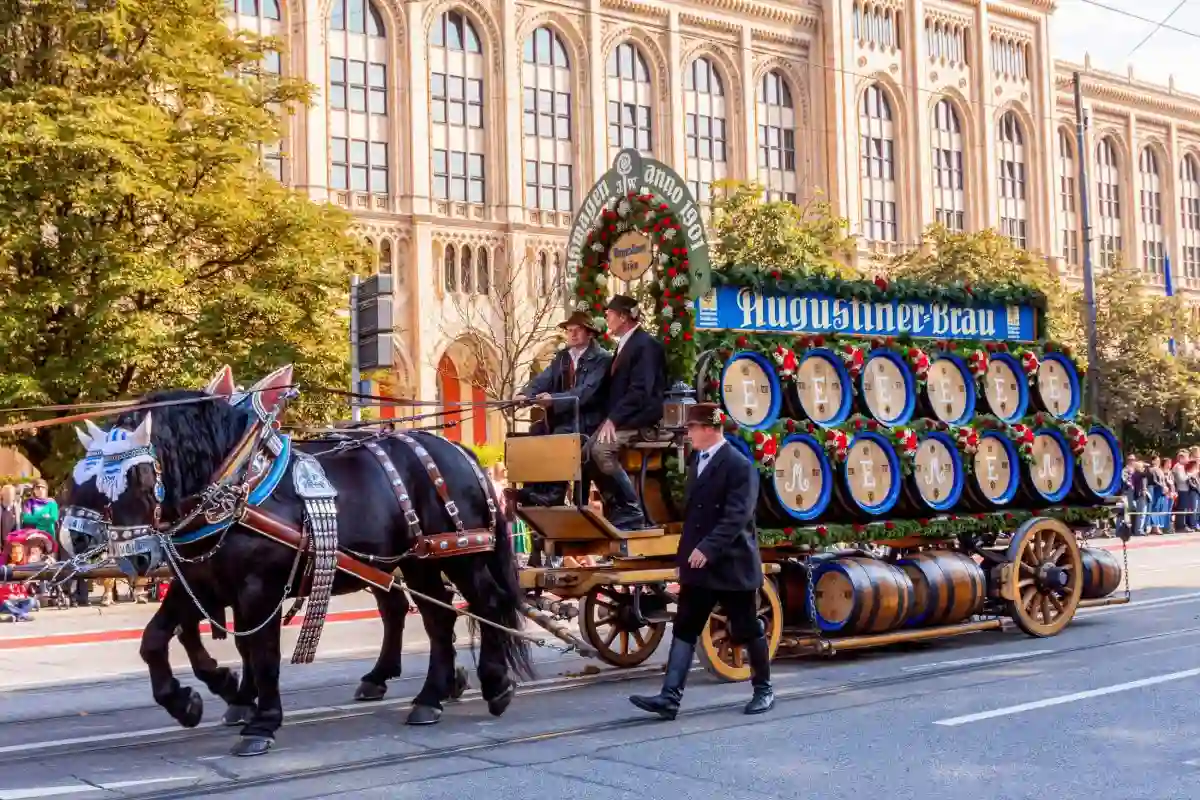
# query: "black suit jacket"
720, 522
591, 381
637, 383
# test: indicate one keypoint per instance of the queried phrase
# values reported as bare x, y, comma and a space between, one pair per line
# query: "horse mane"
191, 439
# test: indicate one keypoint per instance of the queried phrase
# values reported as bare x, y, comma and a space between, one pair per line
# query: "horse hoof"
423, 715
500, 703
252, 746
461, 683
237, 715
193, 712
368, 691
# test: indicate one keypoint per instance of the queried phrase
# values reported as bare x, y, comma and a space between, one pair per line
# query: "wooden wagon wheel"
716, 651
608, 623
1045, 578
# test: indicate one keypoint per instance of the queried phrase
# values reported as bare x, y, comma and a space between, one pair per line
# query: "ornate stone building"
462, 132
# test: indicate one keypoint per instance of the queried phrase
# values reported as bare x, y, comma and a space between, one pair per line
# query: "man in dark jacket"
718, 562
637, 383
578, 372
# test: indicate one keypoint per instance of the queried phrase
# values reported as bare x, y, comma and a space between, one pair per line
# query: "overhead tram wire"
1158, 27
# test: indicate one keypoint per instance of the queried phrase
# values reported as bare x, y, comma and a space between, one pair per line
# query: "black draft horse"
249, 572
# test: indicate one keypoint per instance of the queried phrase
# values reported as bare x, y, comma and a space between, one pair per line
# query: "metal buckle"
411, 518
451, 508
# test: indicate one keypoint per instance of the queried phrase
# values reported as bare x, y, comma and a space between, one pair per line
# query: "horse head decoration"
118, 456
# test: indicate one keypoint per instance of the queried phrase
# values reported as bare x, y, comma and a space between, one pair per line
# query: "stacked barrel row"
868, 483
857, 595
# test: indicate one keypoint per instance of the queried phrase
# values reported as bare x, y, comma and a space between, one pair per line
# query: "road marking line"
58, 791
962, 662
1068, 698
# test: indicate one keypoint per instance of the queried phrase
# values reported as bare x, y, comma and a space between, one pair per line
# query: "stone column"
749, 109
595, 64
673, 112
418, 114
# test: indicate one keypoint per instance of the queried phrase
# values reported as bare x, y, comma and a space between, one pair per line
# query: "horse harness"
248, 478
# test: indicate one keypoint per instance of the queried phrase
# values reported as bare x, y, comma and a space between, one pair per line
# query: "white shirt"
576, 353
706, 456
624, 338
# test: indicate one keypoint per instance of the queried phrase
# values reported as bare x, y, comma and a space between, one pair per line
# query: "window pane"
358, 179
439, 188
379, 101
475, 166
337, 96
358, 98
338, 150
562, 127
437, 85
458, 163
379, 180
457, 116
476, 192
531, 171
439, 162
475, 116
337, 178
379, 154
358, 72
378, 75
358, 151
564, 200
475, 90
337, 70
531, 195
458, 188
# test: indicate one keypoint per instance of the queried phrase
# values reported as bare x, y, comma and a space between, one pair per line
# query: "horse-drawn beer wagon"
926, 466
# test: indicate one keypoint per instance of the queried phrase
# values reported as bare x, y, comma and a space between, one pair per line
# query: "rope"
529, 637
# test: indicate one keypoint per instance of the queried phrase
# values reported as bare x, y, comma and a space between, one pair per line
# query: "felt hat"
624, 304
582, 320
707, 414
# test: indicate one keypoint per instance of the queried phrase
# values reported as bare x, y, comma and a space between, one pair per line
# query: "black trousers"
696, 603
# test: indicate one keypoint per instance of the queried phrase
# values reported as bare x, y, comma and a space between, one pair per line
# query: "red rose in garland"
765, 447
919, 361
977, 362
852, 357
1029, 362
785, 361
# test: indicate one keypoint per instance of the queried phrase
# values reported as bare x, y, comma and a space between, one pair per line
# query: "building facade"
461, 133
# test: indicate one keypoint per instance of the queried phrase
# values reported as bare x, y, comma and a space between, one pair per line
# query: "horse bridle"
220, 503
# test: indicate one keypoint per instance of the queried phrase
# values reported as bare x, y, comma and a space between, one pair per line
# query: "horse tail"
502, 567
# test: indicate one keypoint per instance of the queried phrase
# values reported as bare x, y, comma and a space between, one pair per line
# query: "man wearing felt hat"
718, 562
578, 373
637, 383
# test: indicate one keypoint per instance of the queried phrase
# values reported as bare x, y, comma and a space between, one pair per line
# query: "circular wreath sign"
670, 285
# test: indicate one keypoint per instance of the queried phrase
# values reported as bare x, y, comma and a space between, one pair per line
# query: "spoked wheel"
609, 623
1046, 579
717, 653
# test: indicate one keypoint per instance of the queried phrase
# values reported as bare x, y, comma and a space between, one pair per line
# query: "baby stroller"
39, 548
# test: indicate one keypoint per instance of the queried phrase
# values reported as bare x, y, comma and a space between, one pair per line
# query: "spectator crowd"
1163, 492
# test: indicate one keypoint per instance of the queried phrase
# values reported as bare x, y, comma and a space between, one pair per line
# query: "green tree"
988, 257
141, 242
1149, 394
746, 230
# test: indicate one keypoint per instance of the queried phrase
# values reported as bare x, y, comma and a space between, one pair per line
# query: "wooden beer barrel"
1005, 389
1048, 479
750, 390
949, 390
887, 388
870, 484
802, 485
821, 391
1056, 387
1101, 573
860, 596
1098, 469
936, 482
996, 474
948, 587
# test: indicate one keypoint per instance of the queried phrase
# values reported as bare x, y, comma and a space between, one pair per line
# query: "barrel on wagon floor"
856, 595
1101, 573
949, 587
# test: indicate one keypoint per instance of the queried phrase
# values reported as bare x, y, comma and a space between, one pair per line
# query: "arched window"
627, 90
450, 269
877, 144
1150, 195
456, 109
704, 104
358, 98
263, 18
1014, 216
777, 138
1189, 214
549, 151
1108, 201
483, 272
466, 270
949, 194
1067, 204
385, 257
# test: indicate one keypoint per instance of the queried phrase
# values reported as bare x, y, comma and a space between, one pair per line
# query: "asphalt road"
1105, 709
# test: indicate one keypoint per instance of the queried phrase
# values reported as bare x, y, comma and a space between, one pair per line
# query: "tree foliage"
777, 235
1152, 396
141, 242
989, 257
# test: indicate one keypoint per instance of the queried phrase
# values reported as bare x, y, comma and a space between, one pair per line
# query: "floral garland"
673, 322
934, 528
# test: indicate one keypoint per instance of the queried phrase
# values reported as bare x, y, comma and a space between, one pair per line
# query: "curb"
1147, 542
